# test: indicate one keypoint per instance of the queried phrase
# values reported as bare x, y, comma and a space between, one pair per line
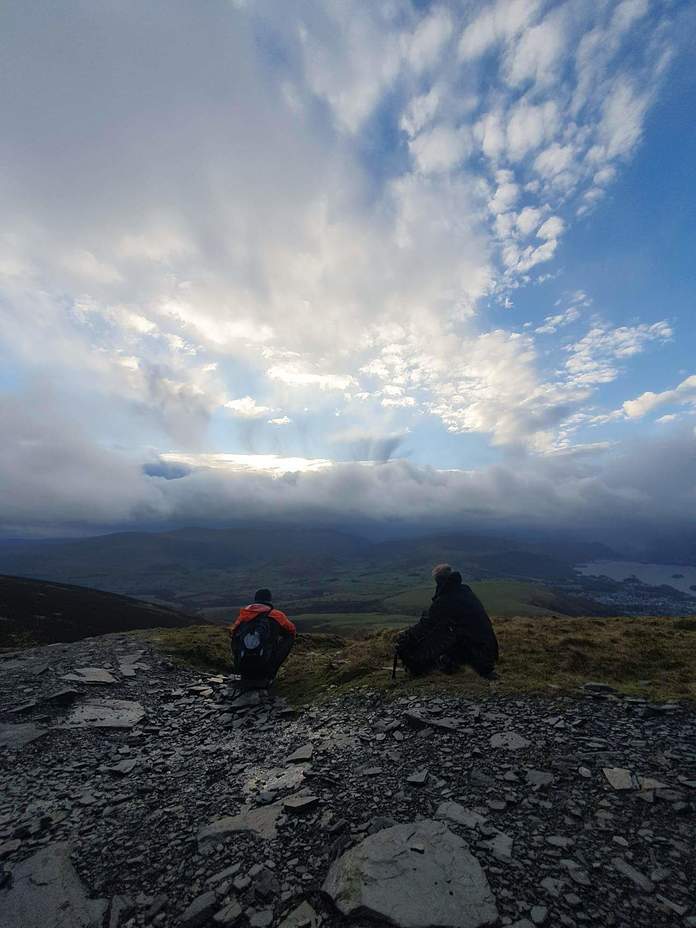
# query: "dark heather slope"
34, 611
160, 800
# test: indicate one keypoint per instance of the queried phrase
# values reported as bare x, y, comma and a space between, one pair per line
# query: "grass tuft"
652, 657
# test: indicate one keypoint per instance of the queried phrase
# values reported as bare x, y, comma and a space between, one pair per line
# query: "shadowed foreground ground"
139, 793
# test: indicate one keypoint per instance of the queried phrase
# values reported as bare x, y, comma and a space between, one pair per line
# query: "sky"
398, 260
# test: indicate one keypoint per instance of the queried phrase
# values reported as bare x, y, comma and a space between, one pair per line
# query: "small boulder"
414, 875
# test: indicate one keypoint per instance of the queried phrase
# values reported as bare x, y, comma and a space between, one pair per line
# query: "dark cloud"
52, 475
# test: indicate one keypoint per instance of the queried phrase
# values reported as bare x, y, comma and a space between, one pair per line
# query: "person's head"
262, 596
441, 572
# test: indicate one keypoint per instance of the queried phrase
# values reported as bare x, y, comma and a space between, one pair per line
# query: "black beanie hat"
262, 596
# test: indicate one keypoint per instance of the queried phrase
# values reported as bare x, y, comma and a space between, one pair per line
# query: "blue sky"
363, 258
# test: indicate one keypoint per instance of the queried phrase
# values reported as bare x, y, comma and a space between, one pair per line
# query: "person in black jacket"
455, 630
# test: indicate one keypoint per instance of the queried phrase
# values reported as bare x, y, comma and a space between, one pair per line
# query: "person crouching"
261, 638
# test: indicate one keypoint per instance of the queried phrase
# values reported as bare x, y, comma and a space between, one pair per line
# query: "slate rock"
454, 812
121, 908
539, 914
500, 845
415, 876
46, 891
598, 688
261, 918
303, 916
510, 740
300, 803
619, 778
122, 769
15, 737
158, 903
200, 910
105, 713
229, 915
635, 876
301, 755
261, 821
539, 778
417, 778
96, 675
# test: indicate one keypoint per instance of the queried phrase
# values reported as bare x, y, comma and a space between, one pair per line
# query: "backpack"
421, 648
254, 647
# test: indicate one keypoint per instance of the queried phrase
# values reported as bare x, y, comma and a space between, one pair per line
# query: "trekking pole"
393, 676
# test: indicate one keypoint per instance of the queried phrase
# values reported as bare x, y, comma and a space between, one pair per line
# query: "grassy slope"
652, 657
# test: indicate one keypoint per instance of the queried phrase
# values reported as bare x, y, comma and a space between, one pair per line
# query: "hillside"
312, 570
37, 612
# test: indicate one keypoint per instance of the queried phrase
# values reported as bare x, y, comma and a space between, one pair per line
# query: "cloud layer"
227, 231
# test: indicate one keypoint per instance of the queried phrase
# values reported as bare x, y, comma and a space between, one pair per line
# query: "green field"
345, 622
500, 597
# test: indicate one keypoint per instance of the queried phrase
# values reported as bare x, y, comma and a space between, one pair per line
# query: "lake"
653, 574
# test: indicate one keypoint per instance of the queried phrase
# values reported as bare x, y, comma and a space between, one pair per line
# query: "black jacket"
458, 617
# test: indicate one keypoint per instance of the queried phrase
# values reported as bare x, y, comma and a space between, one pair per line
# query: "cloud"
247, 408
369, 446
683, 393
558, 320
497, 23
439, 149
55, 477
594, 358
296, 377
308, 219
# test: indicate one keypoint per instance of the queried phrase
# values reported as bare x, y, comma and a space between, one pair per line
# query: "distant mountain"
201, 568
189, 548
36, 612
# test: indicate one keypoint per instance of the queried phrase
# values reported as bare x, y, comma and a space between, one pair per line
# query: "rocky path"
133, 793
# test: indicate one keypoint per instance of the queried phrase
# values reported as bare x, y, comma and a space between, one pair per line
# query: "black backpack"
254, 648
420, 648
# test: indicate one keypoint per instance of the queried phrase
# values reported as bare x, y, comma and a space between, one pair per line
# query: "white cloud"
528, 219
552, 228
425, 46
684, 392
272, 464
538, 51
593, 359
439, 149
623, 115
297, 377
529, 126
247, 408
280, 232
559, 320
280, 420
419, 112
498, 22
554, 159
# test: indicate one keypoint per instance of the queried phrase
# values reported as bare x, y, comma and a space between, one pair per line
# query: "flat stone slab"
105, 713
89, 675
620, 778
303, 916
418, 875
301, 755
14, 737
460, 815
510, 740
300, 803
260, 821
46, 892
